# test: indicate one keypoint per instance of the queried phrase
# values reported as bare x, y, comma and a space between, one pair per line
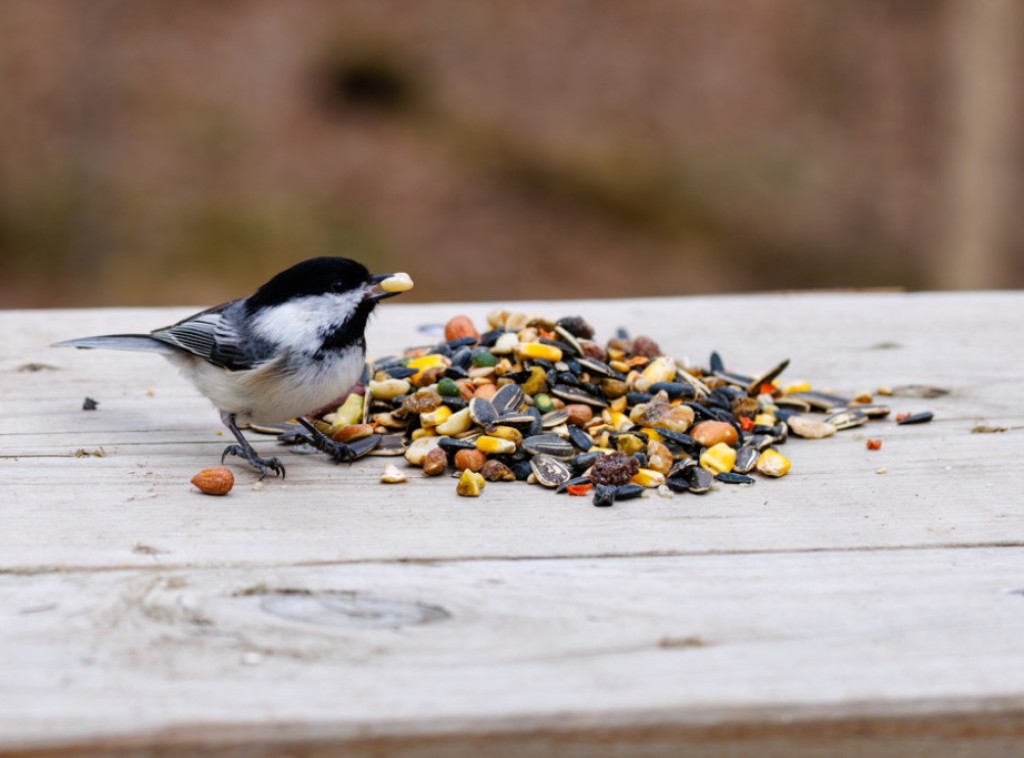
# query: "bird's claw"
339, 452
263, 465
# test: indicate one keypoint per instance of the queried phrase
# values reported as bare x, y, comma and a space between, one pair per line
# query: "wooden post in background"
984, 37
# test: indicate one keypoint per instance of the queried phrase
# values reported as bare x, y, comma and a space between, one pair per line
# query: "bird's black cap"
311, 277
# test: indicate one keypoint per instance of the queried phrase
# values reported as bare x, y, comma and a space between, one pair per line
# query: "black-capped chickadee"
295, 345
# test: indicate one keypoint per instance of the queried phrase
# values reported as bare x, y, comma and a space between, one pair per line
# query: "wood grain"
835, 607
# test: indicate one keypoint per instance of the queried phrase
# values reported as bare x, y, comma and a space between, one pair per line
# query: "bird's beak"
388, 285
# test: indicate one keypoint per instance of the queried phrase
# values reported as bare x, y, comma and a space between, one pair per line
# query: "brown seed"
352, 432
466, 388
486, 391
496, 471
614, 388
472, 460
708, 433
214, 481
593, 350
579, 414
645, 346
430, 376
435, 462
421, 402
459, 327
744, 407
659, 457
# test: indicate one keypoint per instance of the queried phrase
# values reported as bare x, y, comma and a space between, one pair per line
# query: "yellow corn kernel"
470, 484
647, 477
618, 404
652, 434
796, 387
661, 369
494, 445
621, 366
435, 417
618, 421
456, 423
421, 432
764, 419
349, 412
718, 459
508, 433
773, 463
535, 350
629, 444
535, 383
432, 360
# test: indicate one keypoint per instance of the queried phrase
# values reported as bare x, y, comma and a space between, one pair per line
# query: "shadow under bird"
295, 345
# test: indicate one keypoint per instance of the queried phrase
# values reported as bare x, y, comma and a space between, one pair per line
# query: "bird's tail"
136, 342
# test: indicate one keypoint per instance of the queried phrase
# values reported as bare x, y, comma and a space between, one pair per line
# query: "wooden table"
870, 600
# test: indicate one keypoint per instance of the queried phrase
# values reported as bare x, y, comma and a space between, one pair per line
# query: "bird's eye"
338, 286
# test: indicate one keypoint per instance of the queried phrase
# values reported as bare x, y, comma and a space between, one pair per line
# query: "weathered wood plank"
944, 485
672, 644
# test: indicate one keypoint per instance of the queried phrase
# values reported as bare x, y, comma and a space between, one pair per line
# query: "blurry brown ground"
182, 152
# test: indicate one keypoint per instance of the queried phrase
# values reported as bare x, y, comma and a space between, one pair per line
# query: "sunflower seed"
550, 472
550, 445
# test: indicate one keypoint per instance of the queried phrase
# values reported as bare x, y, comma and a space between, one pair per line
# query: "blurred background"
182, 152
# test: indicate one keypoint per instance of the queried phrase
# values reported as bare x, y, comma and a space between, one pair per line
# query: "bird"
289, 349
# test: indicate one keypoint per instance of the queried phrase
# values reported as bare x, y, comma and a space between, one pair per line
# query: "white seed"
505, 344
392, 475
419, 448
400, 282
457, 423
389, 388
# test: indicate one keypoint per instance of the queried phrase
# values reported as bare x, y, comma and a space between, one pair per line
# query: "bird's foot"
263, 465
339, 452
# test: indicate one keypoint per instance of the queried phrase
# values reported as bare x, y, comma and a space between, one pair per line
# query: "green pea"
543, 402
448, 388
483, 358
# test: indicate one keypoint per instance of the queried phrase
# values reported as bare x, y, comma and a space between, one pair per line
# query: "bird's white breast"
279, 390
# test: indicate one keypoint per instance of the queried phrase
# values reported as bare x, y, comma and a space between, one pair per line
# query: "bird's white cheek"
300, 325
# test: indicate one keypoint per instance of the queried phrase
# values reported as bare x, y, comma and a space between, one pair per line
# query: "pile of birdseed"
540, 401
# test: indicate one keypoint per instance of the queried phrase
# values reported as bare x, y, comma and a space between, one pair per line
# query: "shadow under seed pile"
541, 401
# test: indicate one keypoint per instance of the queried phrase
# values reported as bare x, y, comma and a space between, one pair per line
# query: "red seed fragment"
578, 489
874, 444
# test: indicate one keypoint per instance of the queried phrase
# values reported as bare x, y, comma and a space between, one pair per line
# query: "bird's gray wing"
215, 335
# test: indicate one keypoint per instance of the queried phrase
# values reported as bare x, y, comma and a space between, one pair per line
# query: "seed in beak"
395, 283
